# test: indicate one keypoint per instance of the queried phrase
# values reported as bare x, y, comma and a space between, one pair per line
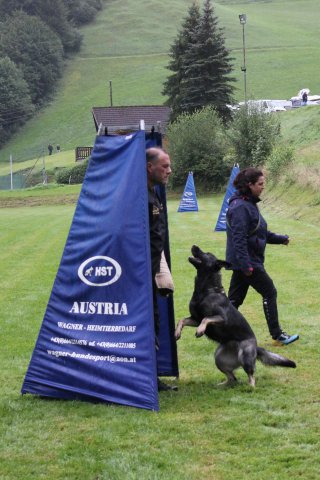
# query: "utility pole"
44, 175
243, 21
110, 89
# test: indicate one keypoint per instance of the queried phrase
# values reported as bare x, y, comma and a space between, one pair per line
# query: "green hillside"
129, 42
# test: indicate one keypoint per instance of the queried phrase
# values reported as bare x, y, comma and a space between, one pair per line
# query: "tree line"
36, 36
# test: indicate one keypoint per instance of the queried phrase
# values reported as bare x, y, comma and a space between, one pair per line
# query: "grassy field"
202, 431
129, 44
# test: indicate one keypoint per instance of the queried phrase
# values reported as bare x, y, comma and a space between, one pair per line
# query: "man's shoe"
285, 339
162, 387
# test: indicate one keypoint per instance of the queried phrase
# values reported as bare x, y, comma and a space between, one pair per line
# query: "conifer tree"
172, 86
202, 69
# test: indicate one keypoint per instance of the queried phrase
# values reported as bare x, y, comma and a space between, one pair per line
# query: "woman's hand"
249, 272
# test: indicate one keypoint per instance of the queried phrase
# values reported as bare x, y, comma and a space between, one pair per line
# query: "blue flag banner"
188, 201
221, 222
96, 341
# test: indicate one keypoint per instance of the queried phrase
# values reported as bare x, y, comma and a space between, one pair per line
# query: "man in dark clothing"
157, 225
247, 237
304, 98
158, 172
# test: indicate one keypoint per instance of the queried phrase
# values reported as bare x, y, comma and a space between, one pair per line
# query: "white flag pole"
11, 173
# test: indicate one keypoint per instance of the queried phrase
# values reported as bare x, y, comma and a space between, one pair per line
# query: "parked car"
268, 106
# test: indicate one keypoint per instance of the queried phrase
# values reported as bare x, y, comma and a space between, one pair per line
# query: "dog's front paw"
177, 333
200, 332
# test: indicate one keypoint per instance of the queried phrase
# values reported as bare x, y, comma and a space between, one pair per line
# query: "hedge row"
72, 175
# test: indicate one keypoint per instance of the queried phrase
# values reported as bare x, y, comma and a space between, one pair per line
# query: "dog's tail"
273, 359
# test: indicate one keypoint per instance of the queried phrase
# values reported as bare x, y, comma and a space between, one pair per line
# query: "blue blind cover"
167, 356
188, 202
221, 225
96, 341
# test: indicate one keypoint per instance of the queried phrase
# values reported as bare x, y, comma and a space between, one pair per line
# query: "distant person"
50, 149
304, 98
158, 172
247, 236
58, 148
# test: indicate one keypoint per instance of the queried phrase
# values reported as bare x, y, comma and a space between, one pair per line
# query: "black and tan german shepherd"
214, 316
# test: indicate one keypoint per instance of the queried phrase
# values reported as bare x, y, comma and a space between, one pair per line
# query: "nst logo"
99, 271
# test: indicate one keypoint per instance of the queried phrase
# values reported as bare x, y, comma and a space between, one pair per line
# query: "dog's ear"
223, 264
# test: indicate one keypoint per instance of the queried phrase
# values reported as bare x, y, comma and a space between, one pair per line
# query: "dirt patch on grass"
38, 201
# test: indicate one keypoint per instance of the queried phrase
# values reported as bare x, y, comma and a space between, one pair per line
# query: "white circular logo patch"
99, 271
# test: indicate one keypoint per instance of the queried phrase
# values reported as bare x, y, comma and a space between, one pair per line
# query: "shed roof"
128, 117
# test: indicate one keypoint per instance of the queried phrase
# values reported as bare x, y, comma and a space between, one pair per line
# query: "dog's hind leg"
226, 358
247, 357
231, 379
185, 322
201, 330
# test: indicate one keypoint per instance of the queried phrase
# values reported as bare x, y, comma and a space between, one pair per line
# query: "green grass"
51, 162
301, 126
129, 43
202, 431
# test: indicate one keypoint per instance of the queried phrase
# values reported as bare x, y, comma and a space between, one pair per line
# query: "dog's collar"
216, 289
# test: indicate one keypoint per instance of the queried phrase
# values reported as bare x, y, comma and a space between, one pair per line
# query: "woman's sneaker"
285, 339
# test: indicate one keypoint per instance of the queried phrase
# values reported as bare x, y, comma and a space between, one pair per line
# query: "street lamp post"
243, 21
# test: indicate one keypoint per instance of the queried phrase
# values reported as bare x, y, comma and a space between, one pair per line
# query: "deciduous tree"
53, 13
35, 49
81, 12
253, 134
197, 143
15, 101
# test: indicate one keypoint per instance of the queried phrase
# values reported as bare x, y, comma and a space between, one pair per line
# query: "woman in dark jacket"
247, 236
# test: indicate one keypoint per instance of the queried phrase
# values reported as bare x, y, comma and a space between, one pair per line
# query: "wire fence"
26, 178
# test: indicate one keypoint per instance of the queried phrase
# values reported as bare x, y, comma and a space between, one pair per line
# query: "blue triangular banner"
96, 339
221, 222
189, 201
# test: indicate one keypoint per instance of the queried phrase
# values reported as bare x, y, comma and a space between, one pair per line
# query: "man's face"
159, 170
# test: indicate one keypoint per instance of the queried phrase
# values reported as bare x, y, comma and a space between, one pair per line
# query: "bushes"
200, 143
280, 159
253, 134
72, 175
197, 143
